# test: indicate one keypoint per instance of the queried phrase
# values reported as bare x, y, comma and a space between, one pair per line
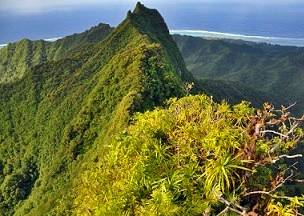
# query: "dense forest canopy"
258, 70
105, 123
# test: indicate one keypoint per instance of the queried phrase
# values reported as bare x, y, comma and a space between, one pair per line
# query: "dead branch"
275, 159
240, 209
281, 183
274, 132
287, 135
224, 211
297, 180
287, 108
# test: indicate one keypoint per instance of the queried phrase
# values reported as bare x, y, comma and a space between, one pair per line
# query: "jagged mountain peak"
147, 19
139, 7
75, 96
149, 22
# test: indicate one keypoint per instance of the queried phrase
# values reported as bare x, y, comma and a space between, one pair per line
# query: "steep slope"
235, 92
56, 119
16, 58
277, 70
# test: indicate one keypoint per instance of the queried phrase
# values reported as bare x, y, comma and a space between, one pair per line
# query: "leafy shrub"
193, 157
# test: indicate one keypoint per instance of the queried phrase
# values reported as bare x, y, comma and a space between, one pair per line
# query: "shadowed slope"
274, 70
56, 119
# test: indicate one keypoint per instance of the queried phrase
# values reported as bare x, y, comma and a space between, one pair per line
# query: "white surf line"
272, 40
49, 40
52, 39
2, 45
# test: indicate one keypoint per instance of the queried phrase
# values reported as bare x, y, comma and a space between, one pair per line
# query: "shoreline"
48, 40
2, 45
297, 42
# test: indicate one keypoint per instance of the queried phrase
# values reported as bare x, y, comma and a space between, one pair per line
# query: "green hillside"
97, 124
16, 58
272, 69
235, 92
57, 118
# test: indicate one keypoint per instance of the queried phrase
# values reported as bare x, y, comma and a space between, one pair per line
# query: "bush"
196, 157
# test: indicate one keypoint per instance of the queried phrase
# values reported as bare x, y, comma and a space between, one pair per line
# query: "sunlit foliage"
193, 157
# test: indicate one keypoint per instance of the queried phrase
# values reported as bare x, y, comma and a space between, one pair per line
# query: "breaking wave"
299, 42
53, 39
49, 40
2, 45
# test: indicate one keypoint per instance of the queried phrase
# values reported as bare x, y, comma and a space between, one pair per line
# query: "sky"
42, 6
37, 19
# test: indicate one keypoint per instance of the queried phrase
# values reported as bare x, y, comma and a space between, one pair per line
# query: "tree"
198, 157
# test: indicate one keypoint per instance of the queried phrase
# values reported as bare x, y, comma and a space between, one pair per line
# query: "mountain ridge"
16, 58
268, 68
59, 114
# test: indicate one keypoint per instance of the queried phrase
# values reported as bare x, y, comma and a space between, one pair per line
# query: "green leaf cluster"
176, 160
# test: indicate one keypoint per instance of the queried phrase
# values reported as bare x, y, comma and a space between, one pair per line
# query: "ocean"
283, 41
274, 22
281, 24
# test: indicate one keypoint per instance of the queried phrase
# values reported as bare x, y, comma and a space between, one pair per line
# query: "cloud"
251, 1
40, 6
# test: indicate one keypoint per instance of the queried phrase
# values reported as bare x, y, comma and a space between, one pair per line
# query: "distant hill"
276, 71
62, 102
235, 92
16, 58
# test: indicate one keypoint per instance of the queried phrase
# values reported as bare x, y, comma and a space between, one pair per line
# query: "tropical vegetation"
196, 157
258, 70
105, 122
